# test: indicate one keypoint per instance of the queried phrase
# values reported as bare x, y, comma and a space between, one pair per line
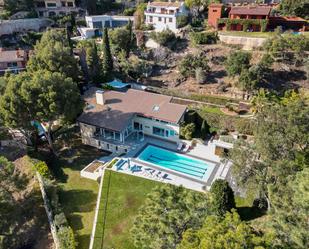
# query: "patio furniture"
186, 148
136, 168
119, 164
165, 177
180, 145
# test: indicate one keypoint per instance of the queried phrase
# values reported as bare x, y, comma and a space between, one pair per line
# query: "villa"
13, 60
49, 8
163, 15
114, 121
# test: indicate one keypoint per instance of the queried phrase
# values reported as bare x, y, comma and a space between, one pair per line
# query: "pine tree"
107, 56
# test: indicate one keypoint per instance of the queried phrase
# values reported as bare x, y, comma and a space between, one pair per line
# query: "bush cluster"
42, 168
199, 38
164, 38
190, 63
246, 23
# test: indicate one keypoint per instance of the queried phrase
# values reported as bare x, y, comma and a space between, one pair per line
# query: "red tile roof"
12, 55
251, 10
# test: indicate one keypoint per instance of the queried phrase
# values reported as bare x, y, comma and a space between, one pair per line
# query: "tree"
281, 138
121, 39
190, 63
53, 53
237, 62
168, 211
42, 96
204, 129
66, 238
295, 8
139, 15
222, 197
197, 6
91, 59
248, 79
290, 219
107, 56
229, 233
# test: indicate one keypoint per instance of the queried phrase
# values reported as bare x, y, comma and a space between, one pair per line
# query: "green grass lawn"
247, 34
211, 109
125, 194
78, 195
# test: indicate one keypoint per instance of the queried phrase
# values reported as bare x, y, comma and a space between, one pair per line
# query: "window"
170, 19
12, 64
116, 148
214, 10
150, 19
70, 4
117, 136
158, 131
63, 4
51, 5
159, 19
107, 146
97, 25
172, 133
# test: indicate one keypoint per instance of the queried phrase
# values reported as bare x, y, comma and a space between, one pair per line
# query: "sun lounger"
179, 147
165, 177
119, 164
186, 148
136, 168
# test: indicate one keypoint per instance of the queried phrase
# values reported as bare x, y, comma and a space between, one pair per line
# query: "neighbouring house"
114, 121
251, 18
13, 60
95, 24
164, 15
50, 8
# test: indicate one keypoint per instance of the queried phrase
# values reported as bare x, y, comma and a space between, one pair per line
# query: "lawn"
125, 194
78, 195
247, 34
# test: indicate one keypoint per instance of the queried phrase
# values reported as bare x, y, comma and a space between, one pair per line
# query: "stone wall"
247, 43
8, 27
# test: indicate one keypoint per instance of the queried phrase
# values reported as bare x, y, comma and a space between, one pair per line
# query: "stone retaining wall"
247, 43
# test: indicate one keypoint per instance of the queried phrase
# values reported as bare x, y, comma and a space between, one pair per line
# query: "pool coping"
174, 172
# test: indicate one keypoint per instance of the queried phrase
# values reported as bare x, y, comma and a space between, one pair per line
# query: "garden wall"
248, 43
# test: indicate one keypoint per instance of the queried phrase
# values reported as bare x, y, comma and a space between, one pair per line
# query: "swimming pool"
186, 165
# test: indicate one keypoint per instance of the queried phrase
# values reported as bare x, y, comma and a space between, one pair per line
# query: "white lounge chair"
180, 145
186, 148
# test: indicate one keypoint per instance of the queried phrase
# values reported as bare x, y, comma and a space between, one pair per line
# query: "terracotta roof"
289, 18
121, 107
165, 4
251, 10
12, 55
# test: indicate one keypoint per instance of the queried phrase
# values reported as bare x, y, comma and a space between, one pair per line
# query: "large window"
97, 25
51, 5
158, 131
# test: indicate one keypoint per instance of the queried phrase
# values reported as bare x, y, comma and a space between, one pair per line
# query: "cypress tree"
107, 56
222, 196
204, 129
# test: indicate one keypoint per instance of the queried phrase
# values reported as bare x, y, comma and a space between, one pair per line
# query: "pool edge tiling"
185, 165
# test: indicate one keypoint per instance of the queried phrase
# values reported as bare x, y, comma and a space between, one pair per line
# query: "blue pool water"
175, 161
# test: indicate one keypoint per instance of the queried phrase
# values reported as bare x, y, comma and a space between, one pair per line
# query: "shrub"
60, 220
66, 238
222, 197
42, 169
164, 38
129, 12
198, 38
190, 63
187, 131
181, 21
236, 62
200, 75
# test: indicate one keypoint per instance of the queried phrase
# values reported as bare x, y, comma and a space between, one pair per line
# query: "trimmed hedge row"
245, 23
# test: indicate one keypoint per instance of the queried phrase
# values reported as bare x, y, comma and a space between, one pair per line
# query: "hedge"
245, 23
198, 38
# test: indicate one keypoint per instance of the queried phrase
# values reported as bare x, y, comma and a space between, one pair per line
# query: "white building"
163, 15
49, 8
102, 21
115, 121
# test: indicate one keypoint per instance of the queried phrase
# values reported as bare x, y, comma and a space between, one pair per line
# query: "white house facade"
114, 121
163, 15
49, 8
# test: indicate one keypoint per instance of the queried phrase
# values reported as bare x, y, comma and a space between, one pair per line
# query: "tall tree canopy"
53, 53
107, 63
42, 96
295, 8
222, 197
229, 233
280, 148
167, 213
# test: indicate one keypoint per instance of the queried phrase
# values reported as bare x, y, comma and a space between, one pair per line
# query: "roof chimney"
99, 97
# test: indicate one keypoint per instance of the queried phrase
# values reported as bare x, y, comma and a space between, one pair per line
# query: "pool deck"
201, 151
